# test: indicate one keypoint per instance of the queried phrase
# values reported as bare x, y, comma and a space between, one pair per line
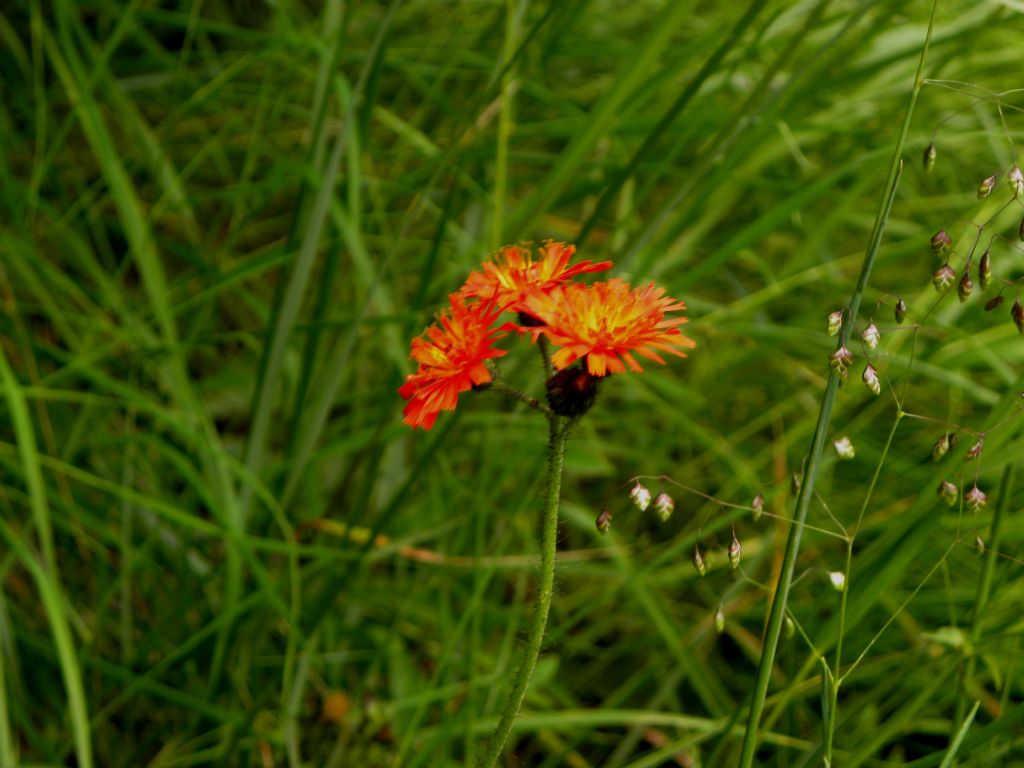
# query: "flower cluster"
602, 325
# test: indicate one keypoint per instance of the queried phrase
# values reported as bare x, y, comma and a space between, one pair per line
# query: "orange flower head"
451, 356
513, 274
606, 322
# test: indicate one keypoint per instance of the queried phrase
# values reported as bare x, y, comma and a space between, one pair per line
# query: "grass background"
222, 222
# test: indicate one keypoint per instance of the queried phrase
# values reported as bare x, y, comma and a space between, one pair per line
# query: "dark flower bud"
930, 153
901, 311
604, 521
948, 492
994, 302
985, 270
1017, 313
571, 392
986, 187
698, 560
758, 506
941, 241
965, 287
943, 277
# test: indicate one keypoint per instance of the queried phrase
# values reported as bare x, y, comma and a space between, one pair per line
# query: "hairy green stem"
785, 579
497, 385
559, 428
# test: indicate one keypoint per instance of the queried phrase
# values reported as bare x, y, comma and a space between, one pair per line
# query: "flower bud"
838, 579
941, 241
985, 270
943, 277
844, 448
942, 445
735, 552
698, 560
871, 336
948, 492
986, 187
930, 153
788, 627
572, 391
640, 496
664, 505
835, 322
720, 620
758, 506
795, 482
965, 287
870, 379
994, 302
975, 499
975, 450
1016, 179
900, 312
979, 544
1017, 313
604, 521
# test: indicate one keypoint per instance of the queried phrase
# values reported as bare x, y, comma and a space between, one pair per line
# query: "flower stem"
514, 394
785, 579
559, 428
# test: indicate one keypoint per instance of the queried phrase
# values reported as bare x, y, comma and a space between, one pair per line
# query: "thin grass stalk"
559, 428
958, 739
984, 589
837, 677
785, 577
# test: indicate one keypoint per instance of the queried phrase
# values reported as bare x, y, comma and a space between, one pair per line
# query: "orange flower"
608, 321
513, 273
451, 358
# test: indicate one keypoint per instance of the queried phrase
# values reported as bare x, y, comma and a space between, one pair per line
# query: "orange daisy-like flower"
606, 322
451, 357
513, 274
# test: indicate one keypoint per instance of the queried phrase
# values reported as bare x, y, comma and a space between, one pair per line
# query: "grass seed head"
948, 492
928, 160
986, 187
985, 270
943, 277
965, 287
640, 496
663, 506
